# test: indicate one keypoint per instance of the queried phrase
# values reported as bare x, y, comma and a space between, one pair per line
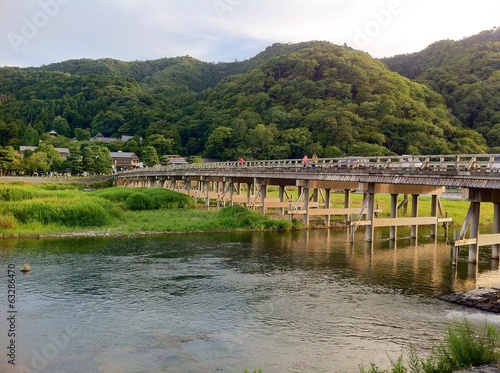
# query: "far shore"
44, 179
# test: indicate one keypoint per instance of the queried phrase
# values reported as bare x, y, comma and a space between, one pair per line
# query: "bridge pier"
393, 230
414, 214
495, 251
477, 196
370, 215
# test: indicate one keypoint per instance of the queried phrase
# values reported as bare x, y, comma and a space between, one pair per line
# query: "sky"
38, 32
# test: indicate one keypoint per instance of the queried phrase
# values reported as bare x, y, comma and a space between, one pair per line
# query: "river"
305, 301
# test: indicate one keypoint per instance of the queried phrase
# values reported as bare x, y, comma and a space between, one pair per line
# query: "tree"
53, 156
162, 145
61, 126
9, 161
149, 156
218, 142
96, 159
30, 136
37, 162
82, 134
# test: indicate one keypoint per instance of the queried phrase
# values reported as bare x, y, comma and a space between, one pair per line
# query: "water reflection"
305, 301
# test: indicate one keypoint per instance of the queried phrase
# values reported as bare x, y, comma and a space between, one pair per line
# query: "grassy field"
65, 209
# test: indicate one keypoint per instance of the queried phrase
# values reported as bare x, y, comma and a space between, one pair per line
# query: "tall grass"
466, 345
70, 212
138, 199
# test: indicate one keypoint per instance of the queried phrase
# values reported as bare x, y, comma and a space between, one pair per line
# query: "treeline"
291, 99
467, 74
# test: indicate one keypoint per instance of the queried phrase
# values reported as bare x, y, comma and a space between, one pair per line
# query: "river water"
305, 301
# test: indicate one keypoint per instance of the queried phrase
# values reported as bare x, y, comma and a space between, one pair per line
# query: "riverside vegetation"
64, 209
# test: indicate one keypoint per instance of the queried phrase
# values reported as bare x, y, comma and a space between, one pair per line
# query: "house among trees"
124, 160
176, 159
63, 152
101, 137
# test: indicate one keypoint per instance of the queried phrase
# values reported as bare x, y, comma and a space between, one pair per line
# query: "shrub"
239, 217
7, 221
138, 202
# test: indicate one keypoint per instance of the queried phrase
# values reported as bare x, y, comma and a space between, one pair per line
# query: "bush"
7, 221
239, 217
157, 198
138, 202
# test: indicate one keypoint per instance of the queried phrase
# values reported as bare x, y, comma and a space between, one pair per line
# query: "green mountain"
291, 99
466, 73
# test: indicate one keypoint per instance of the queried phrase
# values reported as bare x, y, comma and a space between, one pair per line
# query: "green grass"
35, 210
465, 345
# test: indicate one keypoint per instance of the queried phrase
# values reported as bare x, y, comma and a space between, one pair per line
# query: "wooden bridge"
478, 176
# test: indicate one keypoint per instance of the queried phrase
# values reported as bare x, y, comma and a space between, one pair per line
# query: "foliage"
291, 99
137, 199
466, 345
70, 212
466, 74
238, 217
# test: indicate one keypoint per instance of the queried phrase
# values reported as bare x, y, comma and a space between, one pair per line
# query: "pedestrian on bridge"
314, 159
304, 160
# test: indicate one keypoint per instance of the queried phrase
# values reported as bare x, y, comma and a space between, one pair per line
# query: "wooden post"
207, 191
370, 214
263, 196
474, 232
495, 252
455, 249
347, 203
414, 214
306, 204
393, 231
327, 205
231, 193
249, 193
434, 213
282, 198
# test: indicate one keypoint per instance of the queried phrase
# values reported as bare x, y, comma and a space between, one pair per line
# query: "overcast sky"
36, 32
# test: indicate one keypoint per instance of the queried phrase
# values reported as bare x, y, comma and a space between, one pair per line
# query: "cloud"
225, 30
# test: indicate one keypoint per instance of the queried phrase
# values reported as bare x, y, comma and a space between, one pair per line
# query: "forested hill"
291, 99
467, 74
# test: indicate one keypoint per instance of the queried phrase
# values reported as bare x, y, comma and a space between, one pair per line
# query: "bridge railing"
473, 163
